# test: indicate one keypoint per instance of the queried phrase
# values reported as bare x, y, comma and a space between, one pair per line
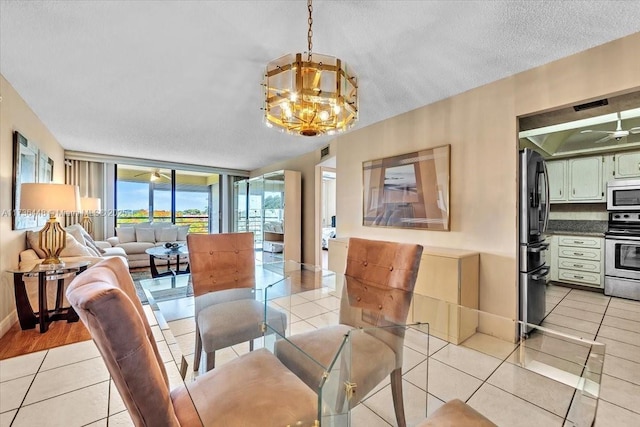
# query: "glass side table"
45, 273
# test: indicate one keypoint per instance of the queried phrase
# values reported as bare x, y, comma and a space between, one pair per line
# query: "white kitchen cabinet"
585, 179
579, 260
557, 171
579, 180
580, 241
626, 165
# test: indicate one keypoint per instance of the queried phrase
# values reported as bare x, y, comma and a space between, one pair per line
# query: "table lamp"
52, 198
89, 204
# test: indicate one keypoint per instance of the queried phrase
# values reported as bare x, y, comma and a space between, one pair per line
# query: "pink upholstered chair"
379, 281
255, 389
223, 274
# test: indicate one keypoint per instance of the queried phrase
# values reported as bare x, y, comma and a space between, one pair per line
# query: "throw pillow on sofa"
126, 234
88, 240
72, 248
76, 231
144, 235
33, 241
166, 234
183, 230
75, 248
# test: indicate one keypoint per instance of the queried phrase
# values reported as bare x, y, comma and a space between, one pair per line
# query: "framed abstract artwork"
29, 165
408, 191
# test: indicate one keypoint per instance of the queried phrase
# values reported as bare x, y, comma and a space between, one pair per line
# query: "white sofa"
80, 246
135, 239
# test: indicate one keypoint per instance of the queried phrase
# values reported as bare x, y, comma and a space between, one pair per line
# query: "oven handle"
544, 273
623, 239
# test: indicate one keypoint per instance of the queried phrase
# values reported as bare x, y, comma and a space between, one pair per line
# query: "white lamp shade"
90, 204
58, 198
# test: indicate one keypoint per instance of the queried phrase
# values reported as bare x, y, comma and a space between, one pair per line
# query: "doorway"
325, 217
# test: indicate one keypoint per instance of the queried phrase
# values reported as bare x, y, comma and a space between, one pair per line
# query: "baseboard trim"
8, 322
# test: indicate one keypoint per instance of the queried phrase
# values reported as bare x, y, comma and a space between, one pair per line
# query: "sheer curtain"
91, 178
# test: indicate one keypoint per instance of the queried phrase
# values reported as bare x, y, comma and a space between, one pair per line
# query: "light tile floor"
70, 386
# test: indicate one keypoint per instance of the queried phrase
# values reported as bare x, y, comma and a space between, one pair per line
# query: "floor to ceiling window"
145, 194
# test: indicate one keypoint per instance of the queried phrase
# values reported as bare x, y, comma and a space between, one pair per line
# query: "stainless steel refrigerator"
534, 216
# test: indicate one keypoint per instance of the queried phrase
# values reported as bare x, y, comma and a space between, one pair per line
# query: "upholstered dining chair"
377, 293
255, 389
223, 277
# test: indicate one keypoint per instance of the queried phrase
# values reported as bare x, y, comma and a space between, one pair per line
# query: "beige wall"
15, 114
481, 126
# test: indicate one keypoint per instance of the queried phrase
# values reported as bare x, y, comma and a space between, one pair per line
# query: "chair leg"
197, 352
396, 393
211, 360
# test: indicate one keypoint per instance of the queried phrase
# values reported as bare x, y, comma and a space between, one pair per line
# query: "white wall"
15, 114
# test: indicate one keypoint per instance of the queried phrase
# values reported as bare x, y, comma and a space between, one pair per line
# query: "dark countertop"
574, 233
577, 228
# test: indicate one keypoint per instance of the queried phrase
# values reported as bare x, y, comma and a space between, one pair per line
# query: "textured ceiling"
180, 80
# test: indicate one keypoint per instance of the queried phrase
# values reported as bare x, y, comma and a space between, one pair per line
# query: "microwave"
623, 195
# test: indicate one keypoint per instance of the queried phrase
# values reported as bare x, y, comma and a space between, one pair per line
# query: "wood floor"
17, 342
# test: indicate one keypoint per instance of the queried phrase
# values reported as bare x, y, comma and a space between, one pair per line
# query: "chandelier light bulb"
324, 115
293, 97
336, 109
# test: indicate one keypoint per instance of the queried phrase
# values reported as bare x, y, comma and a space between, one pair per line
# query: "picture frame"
45, 167
30, 165
408, 191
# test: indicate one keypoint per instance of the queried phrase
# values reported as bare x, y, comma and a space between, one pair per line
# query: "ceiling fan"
617, 134
155, 175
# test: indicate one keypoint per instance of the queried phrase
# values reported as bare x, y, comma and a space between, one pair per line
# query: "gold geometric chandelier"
310, 97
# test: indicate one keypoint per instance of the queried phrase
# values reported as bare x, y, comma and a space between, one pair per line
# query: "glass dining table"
318, 300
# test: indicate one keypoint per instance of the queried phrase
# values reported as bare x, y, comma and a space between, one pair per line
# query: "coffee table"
170, 256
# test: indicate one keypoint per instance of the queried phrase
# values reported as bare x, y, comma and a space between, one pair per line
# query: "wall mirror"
30, 164
408, 191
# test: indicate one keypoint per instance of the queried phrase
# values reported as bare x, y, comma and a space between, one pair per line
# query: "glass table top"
313, 298
161, 251
51, 268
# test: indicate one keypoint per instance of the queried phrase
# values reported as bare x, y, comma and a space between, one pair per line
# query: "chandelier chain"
310, 32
